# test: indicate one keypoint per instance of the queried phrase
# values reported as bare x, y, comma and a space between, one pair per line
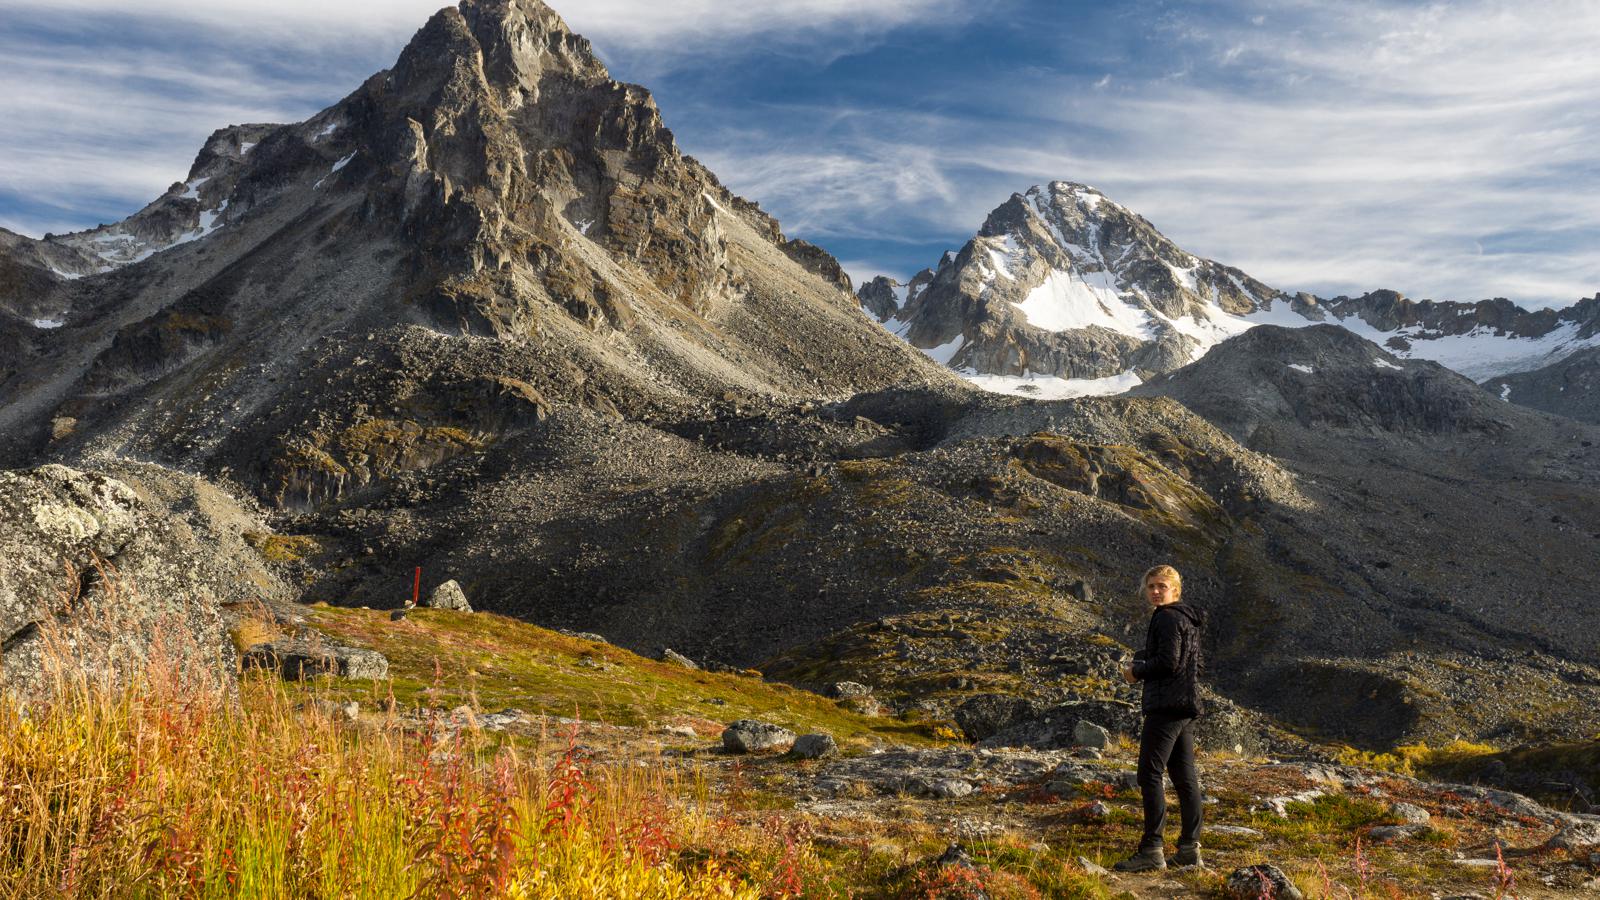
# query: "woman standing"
1169, 667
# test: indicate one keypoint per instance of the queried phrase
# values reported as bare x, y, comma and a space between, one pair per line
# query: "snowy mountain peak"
1063, 283
1064, 292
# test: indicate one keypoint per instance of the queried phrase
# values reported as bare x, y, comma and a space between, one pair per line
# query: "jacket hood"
1194, 614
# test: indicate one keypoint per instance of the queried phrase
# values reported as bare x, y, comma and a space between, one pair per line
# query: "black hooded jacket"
1170, 662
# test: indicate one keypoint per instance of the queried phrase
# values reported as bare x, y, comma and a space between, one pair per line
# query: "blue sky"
1445, 150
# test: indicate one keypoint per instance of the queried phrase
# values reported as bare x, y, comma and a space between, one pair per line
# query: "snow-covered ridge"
118, 245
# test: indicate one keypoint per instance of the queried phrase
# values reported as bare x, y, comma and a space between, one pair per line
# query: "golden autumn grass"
176, 786
185, 781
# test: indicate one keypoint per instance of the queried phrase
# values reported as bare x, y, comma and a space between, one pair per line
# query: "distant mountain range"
1065, 292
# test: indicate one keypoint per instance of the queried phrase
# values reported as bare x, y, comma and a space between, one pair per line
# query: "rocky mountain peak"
495, 184
510, 46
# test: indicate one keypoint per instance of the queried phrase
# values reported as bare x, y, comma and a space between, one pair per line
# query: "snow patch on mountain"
1480, 354
1070, 300
1052, 387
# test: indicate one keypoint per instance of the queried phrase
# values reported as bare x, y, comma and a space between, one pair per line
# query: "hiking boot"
1143, 861
1188, 855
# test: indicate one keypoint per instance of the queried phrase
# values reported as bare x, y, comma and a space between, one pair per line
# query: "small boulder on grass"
1409, 813
670, 655
1262, 880
751, 736
298, 660
814, 746
1388, 834
448, 596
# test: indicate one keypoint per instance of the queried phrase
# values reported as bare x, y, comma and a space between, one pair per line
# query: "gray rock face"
941, 788
814, 746
880, 297
1569, 387
1576, 832
298, 660
103, 569
751, 736
448, 595
1263, 880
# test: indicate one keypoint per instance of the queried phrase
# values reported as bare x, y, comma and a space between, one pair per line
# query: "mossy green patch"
443, 658
282, 548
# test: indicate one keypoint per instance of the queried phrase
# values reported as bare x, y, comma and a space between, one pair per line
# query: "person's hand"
1127, 674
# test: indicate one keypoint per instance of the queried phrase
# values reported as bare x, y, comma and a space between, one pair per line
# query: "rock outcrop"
101, 576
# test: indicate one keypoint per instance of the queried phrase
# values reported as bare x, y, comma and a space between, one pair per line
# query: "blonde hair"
1165, 573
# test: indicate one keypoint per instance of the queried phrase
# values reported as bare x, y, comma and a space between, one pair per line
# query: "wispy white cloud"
631, 23
1346, 147
1442, 149
107, 102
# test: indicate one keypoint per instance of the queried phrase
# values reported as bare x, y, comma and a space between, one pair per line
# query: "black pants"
1167, 744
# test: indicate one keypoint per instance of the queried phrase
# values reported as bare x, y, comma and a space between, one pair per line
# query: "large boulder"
448, 595
750, 736
105, 575
984, 715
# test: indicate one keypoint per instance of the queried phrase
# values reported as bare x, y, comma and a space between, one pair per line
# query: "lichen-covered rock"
1387, 834
106, 575
297, 660
848, 690
448, 595
750, 736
